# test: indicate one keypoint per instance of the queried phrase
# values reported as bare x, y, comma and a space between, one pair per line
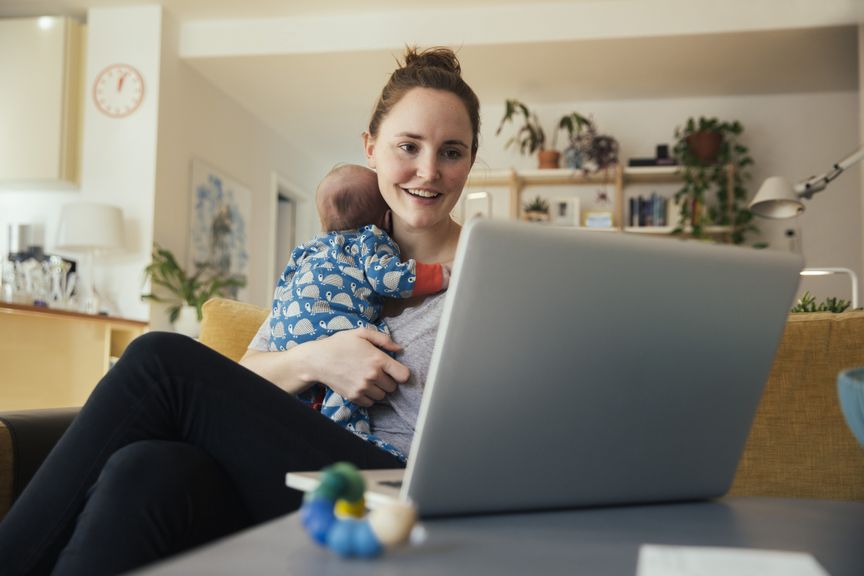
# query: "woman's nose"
427, 168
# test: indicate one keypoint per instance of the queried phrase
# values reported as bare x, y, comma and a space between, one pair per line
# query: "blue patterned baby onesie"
338, 281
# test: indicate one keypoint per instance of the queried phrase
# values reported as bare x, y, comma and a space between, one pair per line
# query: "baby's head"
348, 197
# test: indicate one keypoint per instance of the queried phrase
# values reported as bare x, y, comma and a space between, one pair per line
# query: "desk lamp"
777, 198
90, 228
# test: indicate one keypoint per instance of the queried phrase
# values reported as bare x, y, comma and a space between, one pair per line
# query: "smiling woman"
175, 426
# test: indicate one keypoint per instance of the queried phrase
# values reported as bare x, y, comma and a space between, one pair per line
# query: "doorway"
289, 205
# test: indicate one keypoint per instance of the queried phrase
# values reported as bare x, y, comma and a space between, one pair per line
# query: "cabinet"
52, 358
619, 179
40, 104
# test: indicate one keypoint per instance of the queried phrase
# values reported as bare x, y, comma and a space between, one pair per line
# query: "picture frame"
564, 211
219, 217
476, 205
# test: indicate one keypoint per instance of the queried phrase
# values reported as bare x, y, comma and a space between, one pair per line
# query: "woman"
177, 445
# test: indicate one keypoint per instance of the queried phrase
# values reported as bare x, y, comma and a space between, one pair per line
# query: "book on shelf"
650, 211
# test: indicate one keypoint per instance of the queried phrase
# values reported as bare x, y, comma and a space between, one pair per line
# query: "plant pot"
536, 216
549, 158
187, 322
705, 145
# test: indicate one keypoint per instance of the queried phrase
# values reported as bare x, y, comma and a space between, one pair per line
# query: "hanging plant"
706, 149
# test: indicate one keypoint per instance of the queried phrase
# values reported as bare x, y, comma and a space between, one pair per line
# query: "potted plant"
186, 293
537, 210
808, 303
531, 137
709, 152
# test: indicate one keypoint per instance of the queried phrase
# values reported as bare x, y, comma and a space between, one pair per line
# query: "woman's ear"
369, 149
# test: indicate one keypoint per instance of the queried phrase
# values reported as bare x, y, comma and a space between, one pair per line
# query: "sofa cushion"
228, 326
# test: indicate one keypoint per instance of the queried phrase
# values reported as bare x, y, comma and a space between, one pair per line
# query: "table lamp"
90, 228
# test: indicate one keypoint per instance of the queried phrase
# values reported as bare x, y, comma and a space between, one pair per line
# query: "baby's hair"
348, 202
437, 68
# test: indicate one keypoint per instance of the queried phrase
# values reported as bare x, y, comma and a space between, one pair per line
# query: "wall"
118, 156
794, 135
197, 120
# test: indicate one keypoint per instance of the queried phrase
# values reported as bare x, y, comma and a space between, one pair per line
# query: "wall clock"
118, 90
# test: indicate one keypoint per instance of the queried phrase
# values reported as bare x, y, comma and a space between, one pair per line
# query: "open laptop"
578, 368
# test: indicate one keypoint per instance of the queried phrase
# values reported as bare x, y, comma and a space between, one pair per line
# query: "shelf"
618, 176
537, 177
666, 230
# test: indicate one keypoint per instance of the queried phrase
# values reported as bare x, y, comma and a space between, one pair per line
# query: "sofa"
799, 445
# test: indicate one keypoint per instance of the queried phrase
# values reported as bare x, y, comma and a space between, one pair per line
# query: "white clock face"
118, 90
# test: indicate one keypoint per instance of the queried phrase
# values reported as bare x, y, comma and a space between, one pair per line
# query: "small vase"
187, 322
572, 157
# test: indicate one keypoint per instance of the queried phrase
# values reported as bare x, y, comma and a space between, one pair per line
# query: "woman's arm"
352, 362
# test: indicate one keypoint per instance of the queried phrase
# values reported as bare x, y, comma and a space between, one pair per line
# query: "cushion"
228, 326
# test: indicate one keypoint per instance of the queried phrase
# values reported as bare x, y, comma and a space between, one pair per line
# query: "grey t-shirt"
415, 329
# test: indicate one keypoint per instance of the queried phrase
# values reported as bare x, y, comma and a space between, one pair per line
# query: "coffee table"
596, 541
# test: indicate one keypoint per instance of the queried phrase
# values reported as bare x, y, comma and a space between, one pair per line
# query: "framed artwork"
564, 211
219, 219
476, 205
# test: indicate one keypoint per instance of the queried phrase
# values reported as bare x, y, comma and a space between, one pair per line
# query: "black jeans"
171, 414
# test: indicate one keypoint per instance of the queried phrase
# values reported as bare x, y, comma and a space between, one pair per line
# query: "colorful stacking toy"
334, 516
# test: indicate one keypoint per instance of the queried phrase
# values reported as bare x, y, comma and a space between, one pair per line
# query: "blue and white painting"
220, 216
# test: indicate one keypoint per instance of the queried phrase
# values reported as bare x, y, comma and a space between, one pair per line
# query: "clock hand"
120, 82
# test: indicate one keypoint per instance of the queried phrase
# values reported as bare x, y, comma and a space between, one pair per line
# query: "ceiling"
323, 98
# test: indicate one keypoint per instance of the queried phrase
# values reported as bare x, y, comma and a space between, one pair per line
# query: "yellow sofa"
799, 445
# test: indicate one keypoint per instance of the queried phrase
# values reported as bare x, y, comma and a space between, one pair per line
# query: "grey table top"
590, 541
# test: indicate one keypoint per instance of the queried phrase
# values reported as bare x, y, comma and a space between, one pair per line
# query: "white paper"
657, 560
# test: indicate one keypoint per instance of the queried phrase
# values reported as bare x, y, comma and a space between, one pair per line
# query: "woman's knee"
157, 345
156, 471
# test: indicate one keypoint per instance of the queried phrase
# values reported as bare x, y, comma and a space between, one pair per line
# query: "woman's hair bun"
437, 57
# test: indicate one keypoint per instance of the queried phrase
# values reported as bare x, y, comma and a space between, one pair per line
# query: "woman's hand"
352, 362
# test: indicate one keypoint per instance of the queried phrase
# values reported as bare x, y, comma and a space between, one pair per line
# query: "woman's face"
422, 155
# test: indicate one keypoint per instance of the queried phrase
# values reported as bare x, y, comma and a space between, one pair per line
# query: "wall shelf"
517, 181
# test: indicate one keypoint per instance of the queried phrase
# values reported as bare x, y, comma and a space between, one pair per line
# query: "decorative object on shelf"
575, 125
705, 169
334, 516
537, 210
850, 391
220, 214
565, 211
662, 158
118, 90
531, 138
165, 273
778, 199
92, 229
476, 205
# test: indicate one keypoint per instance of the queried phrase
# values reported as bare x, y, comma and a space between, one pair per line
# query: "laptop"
577, 368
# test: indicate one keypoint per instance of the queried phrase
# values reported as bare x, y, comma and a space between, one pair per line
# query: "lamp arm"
807, 188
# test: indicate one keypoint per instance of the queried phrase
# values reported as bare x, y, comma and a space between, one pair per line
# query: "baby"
339, 279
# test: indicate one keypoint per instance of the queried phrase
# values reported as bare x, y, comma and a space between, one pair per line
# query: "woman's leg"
153, 499
169, 387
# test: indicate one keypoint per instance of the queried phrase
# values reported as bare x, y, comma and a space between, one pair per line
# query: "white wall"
794, 135
197, 120
118, 156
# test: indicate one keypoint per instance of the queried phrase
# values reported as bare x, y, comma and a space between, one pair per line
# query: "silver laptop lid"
576, 368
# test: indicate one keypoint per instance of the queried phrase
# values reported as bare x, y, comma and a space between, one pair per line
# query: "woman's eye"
452, 154
408, 147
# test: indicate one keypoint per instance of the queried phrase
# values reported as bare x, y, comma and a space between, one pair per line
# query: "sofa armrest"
26, 438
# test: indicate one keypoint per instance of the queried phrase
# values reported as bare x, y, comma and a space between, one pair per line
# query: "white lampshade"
776, 199
88, 227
